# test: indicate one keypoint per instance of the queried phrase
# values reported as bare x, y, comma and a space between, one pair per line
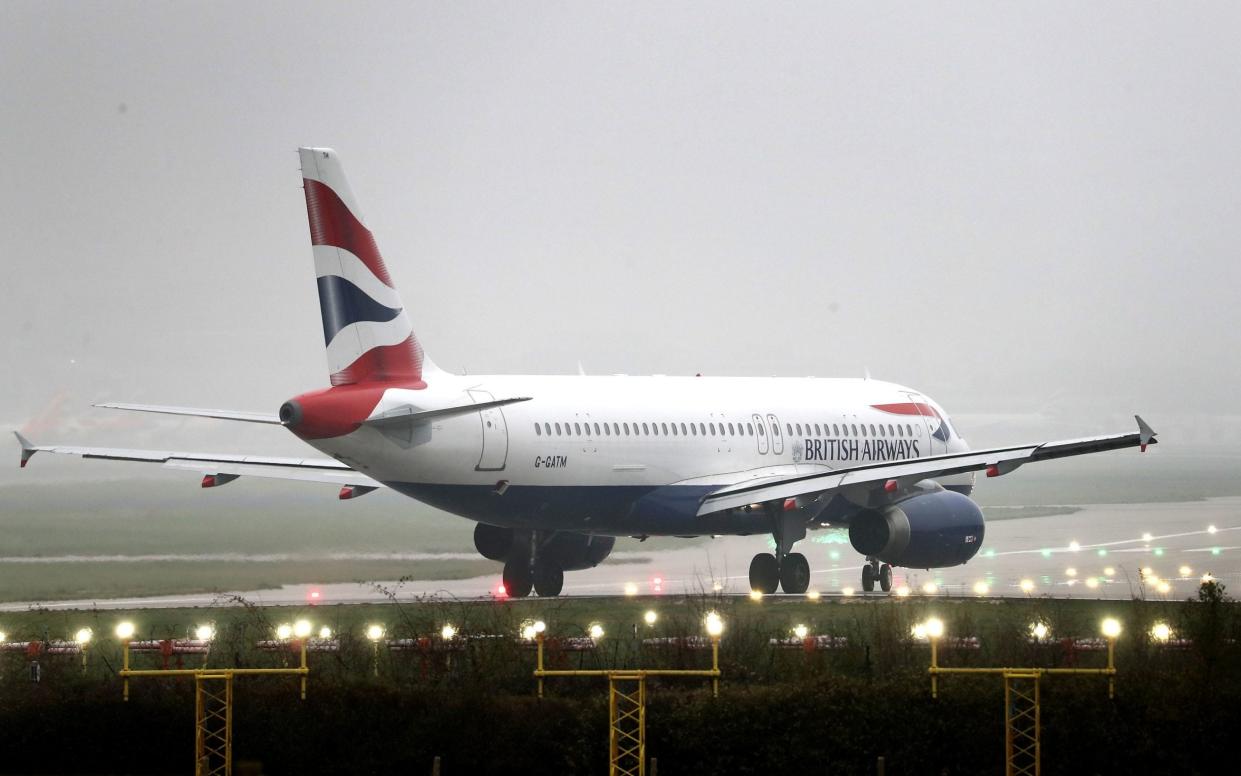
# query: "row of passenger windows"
578, 428
880, 430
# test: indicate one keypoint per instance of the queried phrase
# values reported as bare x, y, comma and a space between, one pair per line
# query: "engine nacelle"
570, 551
927, 531
492, 541
573, 551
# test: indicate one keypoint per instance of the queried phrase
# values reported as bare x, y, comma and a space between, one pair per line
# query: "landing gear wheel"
517, 577
795, 573
868, 578
548, 580
885, 577
764, 573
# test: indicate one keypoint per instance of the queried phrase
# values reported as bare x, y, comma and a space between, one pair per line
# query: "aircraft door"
777, 436
932, 426
760, 434
495, 434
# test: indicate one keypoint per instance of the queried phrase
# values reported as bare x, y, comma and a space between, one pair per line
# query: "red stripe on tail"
401, 362
332, 223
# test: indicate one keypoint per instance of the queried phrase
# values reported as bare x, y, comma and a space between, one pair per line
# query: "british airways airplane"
552, 469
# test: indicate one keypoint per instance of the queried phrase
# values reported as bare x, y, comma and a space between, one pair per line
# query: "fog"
1028, 211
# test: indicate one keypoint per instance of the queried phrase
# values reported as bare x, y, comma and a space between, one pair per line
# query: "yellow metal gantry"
627, 704
213, 724
213, 705
1022, 711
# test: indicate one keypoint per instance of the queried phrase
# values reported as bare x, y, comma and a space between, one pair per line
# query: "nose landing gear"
874, 572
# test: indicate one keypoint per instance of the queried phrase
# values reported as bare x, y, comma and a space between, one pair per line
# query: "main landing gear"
789, 571
523, 573
873, 572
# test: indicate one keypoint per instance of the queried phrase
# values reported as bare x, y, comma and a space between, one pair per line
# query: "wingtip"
28, 448
1146, 434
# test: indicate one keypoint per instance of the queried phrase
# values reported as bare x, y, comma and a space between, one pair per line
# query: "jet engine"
492, 541
574, 551
568, 551
928, 530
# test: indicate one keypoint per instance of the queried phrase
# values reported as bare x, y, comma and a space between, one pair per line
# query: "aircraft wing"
218, 468
894, 476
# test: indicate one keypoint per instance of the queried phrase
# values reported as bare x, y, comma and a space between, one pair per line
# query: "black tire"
868, 578
548, 580
517, 578
885, 578
795, 573
764, 573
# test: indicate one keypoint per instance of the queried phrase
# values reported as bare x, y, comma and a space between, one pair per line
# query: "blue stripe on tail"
342, 303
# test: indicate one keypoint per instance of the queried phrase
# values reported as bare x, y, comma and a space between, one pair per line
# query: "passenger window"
693, 429
853, 428
761, 430
872, 429
577, 429
645, 430
798, 429
788, 426
538, 430
909, 429
816, 430
597, 431
711, 428
900, 431
606, 430
626, 427
683, 432
702, 429
665, 428
881, 431
891, 431
557, 429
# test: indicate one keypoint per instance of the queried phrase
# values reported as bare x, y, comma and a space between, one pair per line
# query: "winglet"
28, 447
1146, 434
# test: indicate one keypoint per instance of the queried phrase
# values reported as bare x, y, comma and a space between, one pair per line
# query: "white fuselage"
634, 455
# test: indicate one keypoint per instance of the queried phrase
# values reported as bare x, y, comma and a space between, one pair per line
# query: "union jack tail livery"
368, 335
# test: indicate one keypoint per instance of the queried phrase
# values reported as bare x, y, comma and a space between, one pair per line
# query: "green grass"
68, 581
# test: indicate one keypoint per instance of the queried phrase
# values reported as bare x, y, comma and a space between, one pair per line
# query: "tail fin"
368, 336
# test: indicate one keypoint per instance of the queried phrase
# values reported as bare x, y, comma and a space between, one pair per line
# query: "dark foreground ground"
1177, 710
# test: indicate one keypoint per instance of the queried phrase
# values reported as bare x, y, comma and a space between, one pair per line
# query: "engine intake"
927, 531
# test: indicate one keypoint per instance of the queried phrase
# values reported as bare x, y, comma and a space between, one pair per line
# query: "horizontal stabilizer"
409, 415
245, 417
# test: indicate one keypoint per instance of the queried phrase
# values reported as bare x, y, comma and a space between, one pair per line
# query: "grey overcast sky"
1019, 208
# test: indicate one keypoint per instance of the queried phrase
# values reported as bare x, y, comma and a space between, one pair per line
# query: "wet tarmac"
1101, 551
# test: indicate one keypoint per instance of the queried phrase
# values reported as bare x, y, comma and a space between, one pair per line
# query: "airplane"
553, 468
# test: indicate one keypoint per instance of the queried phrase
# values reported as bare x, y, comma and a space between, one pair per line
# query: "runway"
1114, 551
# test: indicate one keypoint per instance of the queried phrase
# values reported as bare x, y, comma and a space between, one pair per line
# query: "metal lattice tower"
1021, 723
627, 724
213, 724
